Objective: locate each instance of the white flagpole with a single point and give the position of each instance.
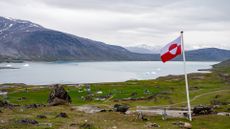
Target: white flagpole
(186, 78)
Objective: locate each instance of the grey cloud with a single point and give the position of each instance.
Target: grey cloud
(126, 21)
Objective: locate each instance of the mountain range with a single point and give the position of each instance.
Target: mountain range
(25, 40)
(145, 49)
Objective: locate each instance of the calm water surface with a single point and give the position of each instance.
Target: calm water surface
(92, 72)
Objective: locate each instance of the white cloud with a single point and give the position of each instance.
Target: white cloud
(131, 22)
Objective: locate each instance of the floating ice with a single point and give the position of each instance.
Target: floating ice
(150, 73)
(26, 65)
(8, 65)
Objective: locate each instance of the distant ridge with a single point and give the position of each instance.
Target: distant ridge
(208, 54)
(24, 40)
(144, 49)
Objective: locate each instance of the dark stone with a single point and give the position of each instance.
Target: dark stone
(27, 121)
(202, 110)
(57, 101)
(120, 108)
(58, 96)
(73, 125)
(5, 104)
(34, 105)
(86, 126)
(152, 125)
(41, 116)
(104, 110)
(185, 114)
(62, 115)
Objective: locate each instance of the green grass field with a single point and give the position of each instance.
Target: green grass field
(205, 88)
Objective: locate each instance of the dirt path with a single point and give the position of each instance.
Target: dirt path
(184, 102)
(198, 96)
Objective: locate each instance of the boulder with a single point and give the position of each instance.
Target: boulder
(202, 110)
(152, 125)
(57, 101)
(4, 103)
(62, 115)
(28, 121)
(58, 96)
(41, 116)
(120, 108)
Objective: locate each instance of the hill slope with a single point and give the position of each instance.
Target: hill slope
(206, 54)
(25, 40)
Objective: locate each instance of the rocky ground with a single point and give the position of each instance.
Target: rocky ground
(159, 103)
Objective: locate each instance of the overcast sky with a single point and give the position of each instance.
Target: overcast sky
(206, 23)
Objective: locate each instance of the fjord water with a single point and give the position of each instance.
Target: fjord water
(39, 73)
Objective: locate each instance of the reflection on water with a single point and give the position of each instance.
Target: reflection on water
(91, 72)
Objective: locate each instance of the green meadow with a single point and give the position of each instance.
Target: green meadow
(169, 91)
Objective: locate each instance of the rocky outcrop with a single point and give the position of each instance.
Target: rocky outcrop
(58, 96)
(120, 108)
(202, 110)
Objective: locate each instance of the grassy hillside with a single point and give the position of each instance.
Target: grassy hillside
(168, 91)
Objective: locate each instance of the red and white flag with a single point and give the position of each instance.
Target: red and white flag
(171, 50)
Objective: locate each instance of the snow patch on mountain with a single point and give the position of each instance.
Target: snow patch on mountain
(143, 48)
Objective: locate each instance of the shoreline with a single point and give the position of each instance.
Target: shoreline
(202, 71)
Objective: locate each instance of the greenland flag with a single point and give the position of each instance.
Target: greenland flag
(171, 50)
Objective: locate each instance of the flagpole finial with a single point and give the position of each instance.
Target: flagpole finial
(182, 32)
